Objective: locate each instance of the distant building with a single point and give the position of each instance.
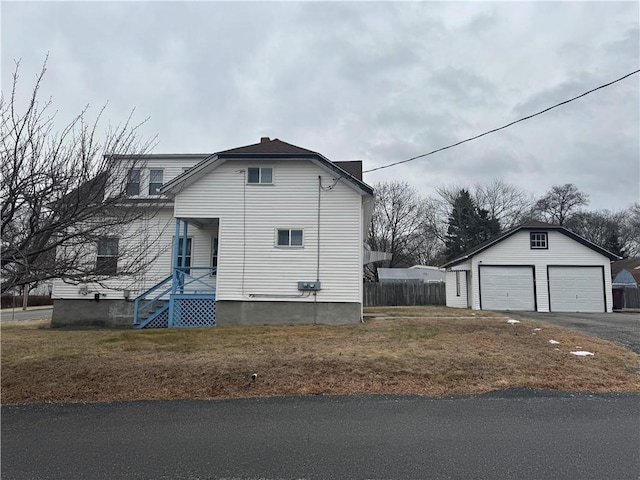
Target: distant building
(415, 274)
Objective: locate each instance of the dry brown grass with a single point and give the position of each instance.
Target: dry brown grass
(420, 353)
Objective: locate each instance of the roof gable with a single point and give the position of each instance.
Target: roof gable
(266, 149)
(532, 226)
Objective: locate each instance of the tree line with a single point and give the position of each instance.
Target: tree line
(429, 230)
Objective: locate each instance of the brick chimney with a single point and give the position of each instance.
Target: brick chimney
(265, 139)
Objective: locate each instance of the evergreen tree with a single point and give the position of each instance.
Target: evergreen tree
(469, 226)
(612, 244)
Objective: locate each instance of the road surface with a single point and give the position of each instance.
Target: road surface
(8, 314)
(511, 435)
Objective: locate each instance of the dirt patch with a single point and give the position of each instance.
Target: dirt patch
(421, 351)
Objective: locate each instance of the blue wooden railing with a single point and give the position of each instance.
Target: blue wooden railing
(180, 282)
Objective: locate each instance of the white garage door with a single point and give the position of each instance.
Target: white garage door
(576, 289)
(507, 288)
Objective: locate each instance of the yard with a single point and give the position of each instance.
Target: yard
(419, 350)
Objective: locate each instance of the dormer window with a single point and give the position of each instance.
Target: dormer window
(133, 182)
(155, 181)
(539, 240)
(260, 175)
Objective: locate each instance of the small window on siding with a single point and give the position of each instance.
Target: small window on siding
(539, 240)
(457, 284)
(260, 175)
(107, 258)
(133, 182)
(289, 238)
(155, 181)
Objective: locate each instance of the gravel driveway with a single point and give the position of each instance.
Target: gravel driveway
(621, 328)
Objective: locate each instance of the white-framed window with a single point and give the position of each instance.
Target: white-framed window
(539, 240)
(155, 181)
(187, 256)
(260, 175)
(289, 237)
(107, 258)
(133, 182)
(457, 284)
(214, 253)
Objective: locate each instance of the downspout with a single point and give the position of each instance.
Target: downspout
(315, 293)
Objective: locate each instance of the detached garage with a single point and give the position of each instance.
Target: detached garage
(533, 267)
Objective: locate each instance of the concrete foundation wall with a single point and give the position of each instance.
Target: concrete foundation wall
(230, 312)
(119, 313)
(92, 313)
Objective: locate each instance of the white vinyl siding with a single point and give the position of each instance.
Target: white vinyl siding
(454, 300)
(507, 288)
(576, 289)
(246, 236)
(246, 243)
(155, 240)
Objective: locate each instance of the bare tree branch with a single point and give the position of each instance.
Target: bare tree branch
(61, 192)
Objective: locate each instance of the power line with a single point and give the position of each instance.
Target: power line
(504, 126)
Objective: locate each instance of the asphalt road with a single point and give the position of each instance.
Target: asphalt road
(8, 314)
(622, 328)
(511, 435)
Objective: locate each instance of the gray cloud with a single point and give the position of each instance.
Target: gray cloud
(381, 82)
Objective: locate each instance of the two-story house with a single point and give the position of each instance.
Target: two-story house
(261, 234)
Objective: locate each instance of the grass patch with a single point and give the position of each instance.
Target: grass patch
(420, 350)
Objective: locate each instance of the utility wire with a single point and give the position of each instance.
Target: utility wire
(504, 126)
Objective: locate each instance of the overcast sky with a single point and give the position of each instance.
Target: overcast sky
(377, 82)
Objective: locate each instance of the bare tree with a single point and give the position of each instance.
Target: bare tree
(600, 227)
(63, 197)
(630, 230)
(504, 202)
(559, 203)
(396, 221)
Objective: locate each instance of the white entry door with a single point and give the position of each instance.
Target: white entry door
(576, 289)
(507, 288)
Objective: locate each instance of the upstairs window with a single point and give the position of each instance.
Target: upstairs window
(289, 238)
(539, 240)
(155, 181)
(107, 259)
(260, 175)
(133, 182)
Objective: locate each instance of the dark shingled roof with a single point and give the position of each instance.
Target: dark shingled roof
(354, 167)
(266, 146)
(277, 149)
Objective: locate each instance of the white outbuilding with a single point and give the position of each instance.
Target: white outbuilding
(533, 267)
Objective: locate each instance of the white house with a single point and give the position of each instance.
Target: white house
(266, 233)
(533, 267)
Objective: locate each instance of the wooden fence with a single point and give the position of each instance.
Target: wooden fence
(405, 294)
(632, 297)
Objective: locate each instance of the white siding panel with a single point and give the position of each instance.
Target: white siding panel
(576, 289)
(152, 238)
(453, 299)
(250, 265)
